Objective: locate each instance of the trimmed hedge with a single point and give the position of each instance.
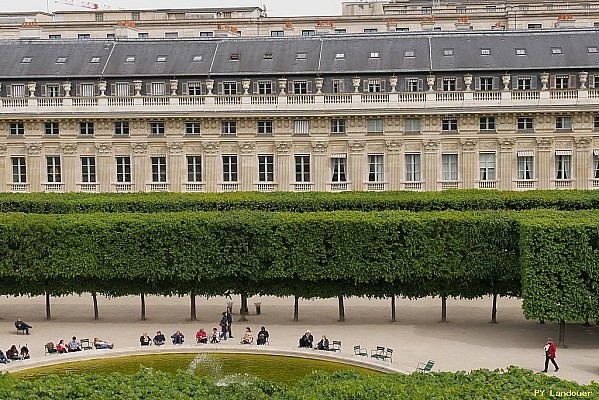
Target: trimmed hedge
(460, 200)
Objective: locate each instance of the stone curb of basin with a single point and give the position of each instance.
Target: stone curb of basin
(358, 361)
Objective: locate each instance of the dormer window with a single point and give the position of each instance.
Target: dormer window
(95, 60)
(592, 49)
(485, 52)
(408, 53)
(340, 56)
(448, 52)
(130, 59)
(26, 60)
(301, 56)
(520, 52)
(556, 50)
(161, 59)
(234, 57)
(374, 55)
(61, 60)
(268, 56)
(197, 58)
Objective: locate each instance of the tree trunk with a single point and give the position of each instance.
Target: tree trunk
(143, 307)
(562, 334)
(393, 319)
(443, 308)
(95, 299)
(341, 310)
(48, 315)
(296, 309)
(244, 307)
(494, 311)
(193, 307)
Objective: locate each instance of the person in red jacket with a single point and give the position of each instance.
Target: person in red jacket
(550, 349)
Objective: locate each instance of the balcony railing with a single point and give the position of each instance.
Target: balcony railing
(563, 183)
(375, 186)
(266, 187)
(403, 101)
(229, 187)
(158, 187)
(487, 184)
(195, 187)
(413, 186)
(123, 187)
(339, 187)
(449, 185)
(53, 187)
(88, 187)
(525, 184)
(302, 187)
(595, 183)
(19, 187)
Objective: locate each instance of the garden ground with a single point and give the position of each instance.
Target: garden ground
(468, 341)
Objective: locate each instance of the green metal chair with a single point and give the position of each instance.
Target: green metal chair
(422, 367)
(359, 351)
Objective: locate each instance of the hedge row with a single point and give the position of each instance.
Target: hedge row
(515, 383)
(460, 200)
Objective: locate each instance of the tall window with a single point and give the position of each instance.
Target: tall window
(86, 128)
(88, 169)
(300, 87)
(266, 168)
(562, 82)
(19, 170)
(194, 168)
(450, 167)
(524, 83)
(158, 89)
(486, 83)
(228, 128)
(413, 167)
(264, 87)
(413, 85)
(449, 84)
(192, 128)
(375, 168)
(338, 126)
(374, 126)
(449, 125)
(374, 86)
(525, 165)
(121, 128)
(595, 164)
(563, 164)
(302, 168)
(337, 85)
(123, 169)
(17, 128)
(229, 88)
(487, 166)
(53, 169)
(230, 168)
(52, 90)
(339, 169)
(265, 127)
(158, 169)
(16, 90)
(194, 88)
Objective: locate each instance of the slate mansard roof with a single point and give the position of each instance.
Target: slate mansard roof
(394, 53)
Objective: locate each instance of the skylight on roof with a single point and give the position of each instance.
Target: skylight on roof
(161, 59)
(61, 60)
(95, 60)
(374, 54)
(197, 58)
(339, 56)
(592, 49)
(520, 52)
(408, 53)
(130, 59)
(26, 60)
(268, 56)
(301, 56)
(234, 57)
(485, 52)
(556, 50)
(448, 52)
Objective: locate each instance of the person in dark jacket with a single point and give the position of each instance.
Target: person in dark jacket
(262, 336)
(306, 340)
(22, 326)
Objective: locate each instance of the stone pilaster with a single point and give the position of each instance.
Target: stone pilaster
(247, 165)
(394, 165)
(283, 166)
(507, 168)
(431, 162)
(321, 166)
(468, 163)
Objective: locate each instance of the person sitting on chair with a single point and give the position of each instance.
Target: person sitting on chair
(214, 337)
(201, 336)
(24, 353)
(22, 326)
(74, 345)
(50, 348)
(323, 344)
(145, 340)
(102, 344)
(306, 340)
(159, 339)
(248, 337)
(262, 336)
(3, 359)
(62, 347)
(178, 337)
(13, 353)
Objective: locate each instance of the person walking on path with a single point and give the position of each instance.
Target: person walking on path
(229, 322)
(224, 325)
(550, 349)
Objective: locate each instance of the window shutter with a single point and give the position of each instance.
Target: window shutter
(514, 82)
(495, 85)
(113, 89)
(78, 90)
(439, 84)
(365, 85)
(8, 91)
(184, 89)
(533, 82)
(309, 87)
(96, 90)
(421, 84)
(255, 87)
(458, 83)
(572, 82)
(220, 89)
(477, 83)
(238, 88)
(342, 85)
(591, 81)
(552, 82)
(203, 88)
(405, 84)
(43, 91)
(148, 89)
(289, 87)
(383, 83)
(131, 89)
